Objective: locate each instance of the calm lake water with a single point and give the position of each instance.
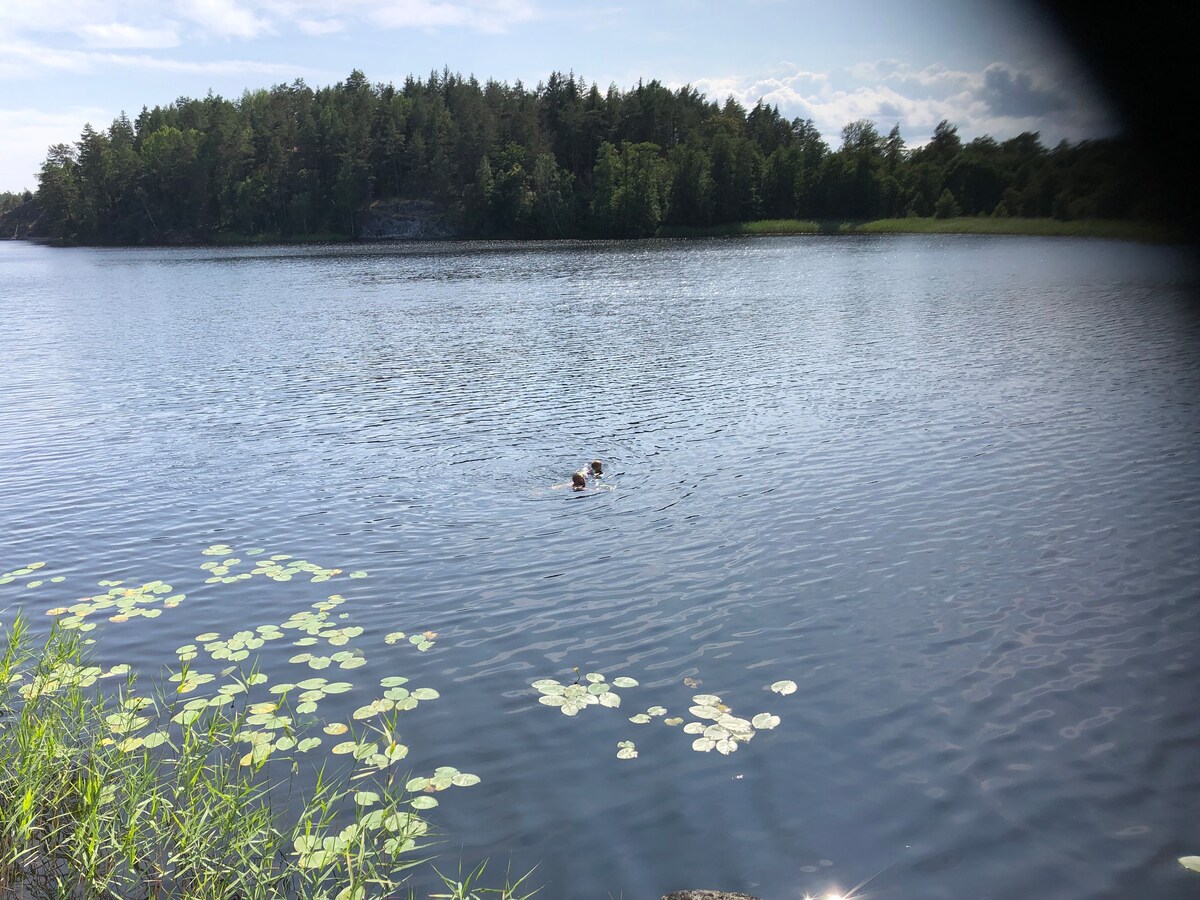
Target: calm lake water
(949, 486)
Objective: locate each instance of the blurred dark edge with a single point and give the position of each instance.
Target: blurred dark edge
(1142, 55)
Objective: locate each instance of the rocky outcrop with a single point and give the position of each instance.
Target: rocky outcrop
(22, 222)
(398, 220)
(706, 895)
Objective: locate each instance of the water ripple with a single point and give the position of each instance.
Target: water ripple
(950, 486)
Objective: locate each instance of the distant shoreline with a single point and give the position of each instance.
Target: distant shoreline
(1115, 229)
(1123, 229)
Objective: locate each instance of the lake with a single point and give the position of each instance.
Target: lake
(949, 486)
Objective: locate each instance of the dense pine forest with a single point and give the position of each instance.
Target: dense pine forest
(562, 160)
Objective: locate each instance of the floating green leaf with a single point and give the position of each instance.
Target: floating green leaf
(765, 721)
(626, 750)
(784, 687)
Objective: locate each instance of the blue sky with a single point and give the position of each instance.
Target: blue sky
(989, 67)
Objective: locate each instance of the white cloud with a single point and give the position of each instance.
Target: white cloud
(225, 18)
(481, 15)
(210, 67)
(26, 60)
(998, 100)
(115, 34)
(318, 27)
(22, 59)
(163, 24)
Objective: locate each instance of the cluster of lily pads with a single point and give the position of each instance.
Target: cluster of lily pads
(121, 603)
(716, 727)
(27, 570)
(273, 720)
(573, 697)
(277, 567)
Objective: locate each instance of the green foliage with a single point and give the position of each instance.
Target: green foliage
(946, 207)
(560, 160)
(10, 200)
(466, 886)
(109, 790)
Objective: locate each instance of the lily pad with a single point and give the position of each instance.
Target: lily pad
(784, 687)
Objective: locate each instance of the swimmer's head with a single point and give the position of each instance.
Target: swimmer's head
(597, 469)
(578, 482)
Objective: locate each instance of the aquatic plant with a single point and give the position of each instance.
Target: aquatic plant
(576, 696)
(194, 788)
(467, 887)
(716, 728)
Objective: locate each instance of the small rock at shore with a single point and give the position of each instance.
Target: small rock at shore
(706, 895)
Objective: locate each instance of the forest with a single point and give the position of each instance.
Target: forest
(564, 159)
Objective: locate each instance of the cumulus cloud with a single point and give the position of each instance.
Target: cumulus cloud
(998, 100)
(934, 79)
(789, 87)
(1009, 93)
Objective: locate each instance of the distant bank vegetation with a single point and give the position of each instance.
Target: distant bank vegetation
(564, 159)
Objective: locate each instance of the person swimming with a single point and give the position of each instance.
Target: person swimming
(579, 479)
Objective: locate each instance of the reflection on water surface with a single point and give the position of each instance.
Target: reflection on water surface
(950, 487)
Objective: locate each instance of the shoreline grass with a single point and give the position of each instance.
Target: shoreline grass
(213, 780)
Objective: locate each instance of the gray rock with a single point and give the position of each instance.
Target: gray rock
(706, 895)
(391, 220)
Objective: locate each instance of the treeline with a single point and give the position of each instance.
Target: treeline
(564, 159)
(11, 200)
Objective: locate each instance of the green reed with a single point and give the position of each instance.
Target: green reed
(196, 788)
